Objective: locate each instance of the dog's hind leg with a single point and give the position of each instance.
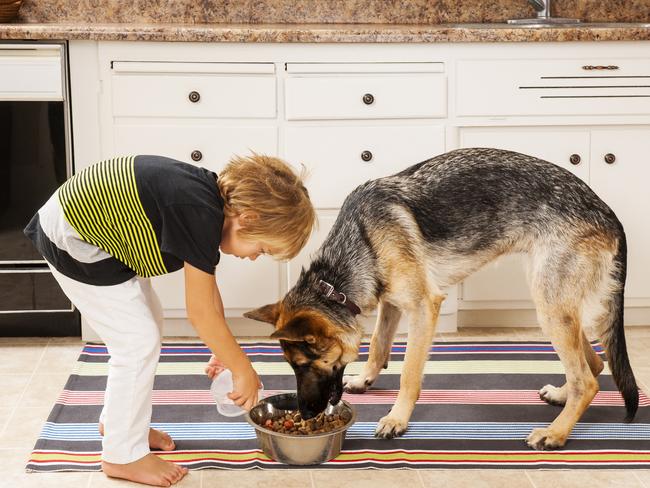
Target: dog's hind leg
(379, 353)
(555, 395)
(561, 280)
(422, 326)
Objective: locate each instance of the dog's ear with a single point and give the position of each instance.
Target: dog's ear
(292, 334)
(267, 313)
(303, 328)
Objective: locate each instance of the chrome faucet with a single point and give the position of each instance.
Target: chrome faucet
(543, 8)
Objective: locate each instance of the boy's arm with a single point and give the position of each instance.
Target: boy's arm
(205, 313)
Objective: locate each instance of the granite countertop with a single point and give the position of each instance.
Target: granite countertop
(367, 32)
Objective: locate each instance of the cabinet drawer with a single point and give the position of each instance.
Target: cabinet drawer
(366, 96)
(589, 86)
(218, 90)
(33, 73)
(208, 146)
(341, 158)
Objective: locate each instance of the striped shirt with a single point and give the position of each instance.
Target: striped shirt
(147, 214)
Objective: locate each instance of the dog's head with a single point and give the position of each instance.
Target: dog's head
(316, 348)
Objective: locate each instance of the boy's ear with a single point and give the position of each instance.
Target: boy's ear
(247, 217)
(267, 313)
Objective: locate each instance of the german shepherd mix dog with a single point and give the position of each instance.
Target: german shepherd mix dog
(400, 240)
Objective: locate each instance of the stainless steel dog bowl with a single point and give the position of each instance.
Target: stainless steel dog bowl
(298, 449)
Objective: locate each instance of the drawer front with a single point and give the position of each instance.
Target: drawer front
(341, 158)
(389, 96)
(31, 74)
(553, 87)
(208, 146)
(137, 93)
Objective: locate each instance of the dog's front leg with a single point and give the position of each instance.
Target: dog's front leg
(422, 327)
(379, 352)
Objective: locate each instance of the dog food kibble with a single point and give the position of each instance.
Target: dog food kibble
(292, 423)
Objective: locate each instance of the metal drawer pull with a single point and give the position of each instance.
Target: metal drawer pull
(366, 156)
(610, 158)
(197, 155)
(590, 67)
(194, 96)
(368, 99)
(575, 159)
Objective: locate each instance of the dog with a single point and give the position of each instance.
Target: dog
(400, 240)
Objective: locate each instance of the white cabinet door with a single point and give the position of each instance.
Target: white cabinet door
(326, 219)
(215, 144)
(623, 185)
(339, 158)
(243, 284)
(504, 279)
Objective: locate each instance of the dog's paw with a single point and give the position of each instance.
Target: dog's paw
(545, 439)
(356, 384)
(389, 427)
(553, 395)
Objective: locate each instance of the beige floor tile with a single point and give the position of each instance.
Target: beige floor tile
(44, 389)
(20, 358)
(480, 478)
(100, 480)
(12, 467)
(59, 358)
(67, 340)
(23, 427)
(257, 478)
(590, 478)
(13, 386)
(24, 340)
(366, 478)
(637, 331)
(644, 477)
(5, 415)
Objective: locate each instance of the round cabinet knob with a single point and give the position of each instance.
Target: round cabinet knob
(575, 159)
(368, 99)
(366, 156)
(197, 155)
(610, 158)
(194, 96)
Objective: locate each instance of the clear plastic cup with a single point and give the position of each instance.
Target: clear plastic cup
(222, 385)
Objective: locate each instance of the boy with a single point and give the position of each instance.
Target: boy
(112, 226)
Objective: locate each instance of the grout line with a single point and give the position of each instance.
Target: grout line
(90, 477)
(641, 483)
(22, 394)
(417, 471)
(532, 483)
(311, 478)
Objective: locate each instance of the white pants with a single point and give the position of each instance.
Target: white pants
(128, 318)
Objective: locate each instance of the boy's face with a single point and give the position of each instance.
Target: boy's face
(232, 243)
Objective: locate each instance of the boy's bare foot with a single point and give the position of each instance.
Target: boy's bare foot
(157, 439)
(150, 470)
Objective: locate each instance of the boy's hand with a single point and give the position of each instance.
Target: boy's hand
(246, 386)
(214, 367)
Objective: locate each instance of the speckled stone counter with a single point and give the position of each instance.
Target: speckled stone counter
(387, 33)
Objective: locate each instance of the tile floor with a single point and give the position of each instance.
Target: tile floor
(34, 370)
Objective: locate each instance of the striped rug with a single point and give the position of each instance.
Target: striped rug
(478, 403)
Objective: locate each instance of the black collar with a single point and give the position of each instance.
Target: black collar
(330, 292)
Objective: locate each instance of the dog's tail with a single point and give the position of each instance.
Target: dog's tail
(613, 335)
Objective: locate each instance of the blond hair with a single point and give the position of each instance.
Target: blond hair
(269, 189)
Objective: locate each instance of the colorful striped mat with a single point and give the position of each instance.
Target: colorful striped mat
(479, 402)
